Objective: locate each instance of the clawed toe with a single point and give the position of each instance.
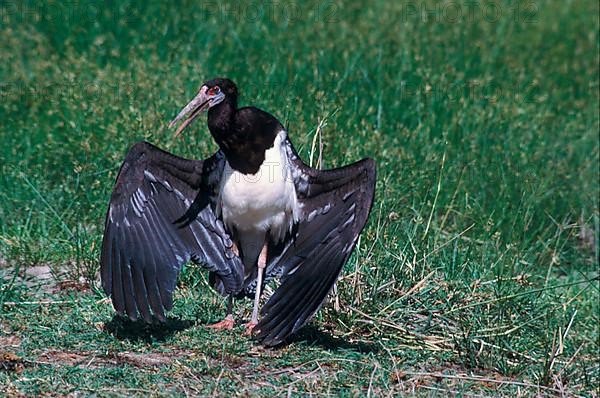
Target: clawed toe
(225, 324)
(249, 328)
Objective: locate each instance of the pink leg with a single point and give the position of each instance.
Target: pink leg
(262, 263)
(225, 324)
(235, 250)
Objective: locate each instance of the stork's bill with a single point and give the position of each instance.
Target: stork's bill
(206, 98)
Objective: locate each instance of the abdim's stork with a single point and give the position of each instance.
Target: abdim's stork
(250, 213)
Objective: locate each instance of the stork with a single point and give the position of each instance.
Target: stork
(251, 213)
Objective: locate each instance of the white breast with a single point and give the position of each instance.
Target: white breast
(261, 202)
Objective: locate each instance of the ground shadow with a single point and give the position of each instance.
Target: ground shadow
(311, 335)
(123, 328)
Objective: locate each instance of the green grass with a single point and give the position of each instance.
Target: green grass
(477, 273)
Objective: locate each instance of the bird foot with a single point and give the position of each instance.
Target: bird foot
(249, 328)
(225, 324)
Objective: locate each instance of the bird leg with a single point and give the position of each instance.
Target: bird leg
(228, 322)
(262, 263)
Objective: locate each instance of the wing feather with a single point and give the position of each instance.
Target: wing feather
(335, 205)
(144, 247)
(137, 274)
(117, 284)
(128, 292)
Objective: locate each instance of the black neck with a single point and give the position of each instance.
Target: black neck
(221, 123)
(242, 134)
(221, 118)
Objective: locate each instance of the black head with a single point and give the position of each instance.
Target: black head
(212, 93)
(225, 85)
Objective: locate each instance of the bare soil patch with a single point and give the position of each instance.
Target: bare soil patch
(92, 360)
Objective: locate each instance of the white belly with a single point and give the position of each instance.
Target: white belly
(254, 204)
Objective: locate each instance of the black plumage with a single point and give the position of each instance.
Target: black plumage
(164, 212)
(242, 134)
(143, 248)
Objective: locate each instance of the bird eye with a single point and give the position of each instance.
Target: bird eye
(215, 90)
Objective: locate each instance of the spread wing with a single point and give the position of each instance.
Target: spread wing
(145, 245)
(334, 207)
